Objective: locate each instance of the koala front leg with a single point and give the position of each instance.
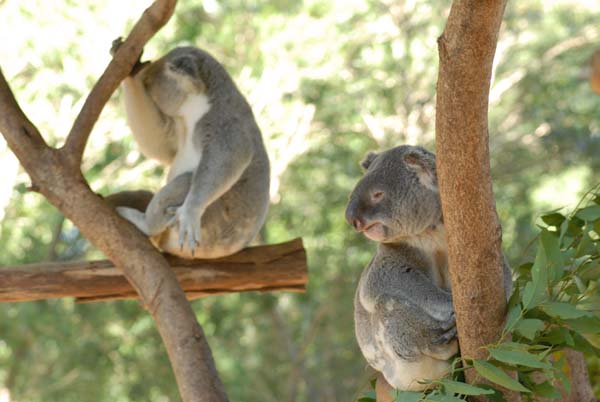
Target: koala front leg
(159, 213)
(222, 163)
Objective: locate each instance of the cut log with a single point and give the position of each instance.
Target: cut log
(280, 267)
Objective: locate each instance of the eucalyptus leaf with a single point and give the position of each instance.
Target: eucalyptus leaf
(554, 259)
(518, 357)
(408, 396)
(563, 310)
(553, 219)
(545, 390)
(513, 316)
(463, 388)
(589, 325)
(589, 214)
(496, 375)
(529, 327)
(444, 398)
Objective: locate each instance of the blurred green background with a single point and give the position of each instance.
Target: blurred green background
(328, 81)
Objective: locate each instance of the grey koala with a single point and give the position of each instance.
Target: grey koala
(185, 111)
(404, 317)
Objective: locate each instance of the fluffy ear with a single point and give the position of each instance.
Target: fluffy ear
(369, 158)
(422, 162)
(184, 65)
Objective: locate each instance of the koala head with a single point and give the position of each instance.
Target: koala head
(397, 197)
(172, 78)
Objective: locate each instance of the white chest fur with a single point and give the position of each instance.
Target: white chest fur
(189, 152)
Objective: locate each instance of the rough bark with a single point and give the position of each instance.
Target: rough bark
(466, 51)
(56, 173)
(270, 268)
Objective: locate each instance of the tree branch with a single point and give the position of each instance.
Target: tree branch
(153, 18)
(264, 269)
(466, 51)
(56, 176)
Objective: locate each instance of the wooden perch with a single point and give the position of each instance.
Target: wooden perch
(263, 268)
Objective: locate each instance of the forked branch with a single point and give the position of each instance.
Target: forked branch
(57, 175)
(154, 18)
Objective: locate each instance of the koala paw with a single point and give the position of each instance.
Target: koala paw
(116, 44)
(446, 332)
(188, 220)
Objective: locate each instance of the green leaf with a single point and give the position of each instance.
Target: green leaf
(496, 375)
(443, 398)
(512, 317)
(565, 311)
(517, 357)
(463, 388)
(583, 345)
(536, 291)
(367, 399)
(589, 214)
(529, 327)
(545, 390)
(559, 336)
(409, 396)
(553, 219)
(554, 259)
(495, 396)
(590, 270)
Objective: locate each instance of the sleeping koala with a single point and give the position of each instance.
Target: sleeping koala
(404, 317)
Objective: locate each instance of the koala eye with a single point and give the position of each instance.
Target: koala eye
(377, 196)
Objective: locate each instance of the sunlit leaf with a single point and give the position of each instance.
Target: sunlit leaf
(497, 376)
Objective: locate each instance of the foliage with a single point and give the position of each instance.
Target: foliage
(555, 305)
(328, 80)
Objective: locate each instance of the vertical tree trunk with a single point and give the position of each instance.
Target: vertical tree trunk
(466, 50)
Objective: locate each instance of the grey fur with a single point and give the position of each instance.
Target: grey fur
(404, 317)
(217, 207)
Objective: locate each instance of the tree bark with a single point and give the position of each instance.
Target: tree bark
(466, 51)
(270, 268)
(56, 173)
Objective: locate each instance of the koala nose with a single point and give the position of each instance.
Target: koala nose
(352, 218)
(357, 224)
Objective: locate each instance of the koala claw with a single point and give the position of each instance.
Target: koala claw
(189, 226)
(445, 337)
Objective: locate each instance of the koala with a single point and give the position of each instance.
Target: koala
(403, 312)
(186, 112)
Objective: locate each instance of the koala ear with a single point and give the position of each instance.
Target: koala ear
(423, 164)
(185, 65)
(369, 158)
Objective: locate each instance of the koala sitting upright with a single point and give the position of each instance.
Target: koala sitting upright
(404, 317)
(185, 111)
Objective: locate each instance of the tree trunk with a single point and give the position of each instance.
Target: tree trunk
(466, 51)
(56, 173)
